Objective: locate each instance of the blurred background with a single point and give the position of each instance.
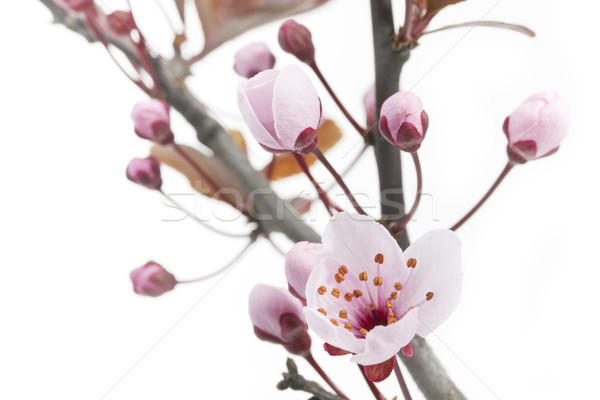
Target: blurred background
(73, 227)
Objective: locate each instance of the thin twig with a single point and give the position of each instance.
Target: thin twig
(293, 380)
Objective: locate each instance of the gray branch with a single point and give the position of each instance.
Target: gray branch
(293, 380)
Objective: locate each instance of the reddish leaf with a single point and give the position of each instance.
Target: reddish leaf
(285, 165)
(433, 6)
(223, 20)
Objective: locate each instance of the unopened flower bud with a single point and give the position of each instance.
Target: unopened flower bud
(278, 318)
(152, 121)
(145, 172)
(252, 59)
(152, 279)
(76, 5)
(282, 110)
(119, 23)
(296, 39)
(299, 263)
(403, 121)
(537, 127)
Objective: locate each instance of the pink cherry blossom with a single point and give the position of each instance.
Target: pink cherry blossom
(278, 318)
(145, 172)
(152, 279)
(252, 59)
(537, 127)
(299, 263)
(282, 109)
(368, 297)
(403, 121)
(152, 121)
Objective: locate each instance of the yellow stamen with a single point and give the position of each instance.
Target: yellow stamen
(357, 293)
(348, 296)
(411, 263)
(334, 322)
(398, 286)
(363, 276)
(343, 270)
(394, 295)
(322, 311)
(429, 296)
(364, 331)
(339, 278)
(378, 281)
(336, 293)
(343, 314)
(379, 258)
(348, 326)
(322, 290)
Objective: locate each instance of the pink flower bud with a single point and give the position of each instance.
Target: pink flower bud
(76, 5)
(299, 263)
(145, 172)
(296, 39)
(403, 121)
(537, 127)
(152, 121)
(152, 279)
(282, 110)
(118, 23)
(278, 318)
(369, 103)
(252, 59)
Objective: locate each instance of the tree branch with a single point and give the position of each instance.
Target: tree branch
(293, 380)
(271, 212)
(425, 368)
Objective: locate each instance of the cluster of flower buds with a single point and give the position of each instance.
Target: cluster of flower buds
(252, 59)
(152, 279)
(282, 110)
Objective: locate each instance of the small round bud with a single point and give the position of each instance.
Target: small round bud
(152, 279)
(252, 59)
(76, 5)
(145, 172)
(119, 23)
(278, 318)
(296, 39)
(403, 121)
(537, 127)
(299, 263)
(152, 121)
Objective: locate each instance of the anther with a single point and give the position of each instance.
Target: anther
(379, 258)
(348, 326)
(363, 276)
(391, 320)
(411, 263)
(371, 306)
(429, 296)
(388, 305)
(343, 270)
(348, 296)
(336, 293)
(343, 314)
(394, 295)
(398, 286)
(334, 322)
(339, 278)
(322, 290)
(357, 293)
(322, 311)
(378, 281)
(364, 331)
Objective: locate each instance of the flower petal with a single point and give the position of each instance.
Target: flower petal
(334, 335)
(266, 306)
(299, 263)
(296, 105)
(384, 342)
(438, 271)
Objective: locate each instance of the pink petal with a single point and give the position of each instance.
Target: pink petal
(384, 342)
(334, 335)
(438, 270)
(296, 105)
(266, 306)
(299, 263)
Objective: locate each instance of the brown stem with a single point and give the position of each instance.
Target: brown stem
(402, 382)
(320, 192)
(337, 101)
(372, 386)
(321, 157)
(404, 221)
(313, 363)
(505, 171)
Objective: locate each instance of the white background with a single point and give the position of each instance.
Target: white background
(73, 227)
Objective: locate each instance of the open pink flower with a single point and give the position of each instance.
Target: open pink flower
(282, 109)
(537, 127)
(368, 297)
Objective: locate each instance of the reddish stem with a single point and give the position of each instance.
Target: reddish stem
(337, 101)
(321, 157)
(507, 169)
(317, 367)
(405, 220)
(321, 193)
(372, 386)
(401, 381)
(405, 33)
